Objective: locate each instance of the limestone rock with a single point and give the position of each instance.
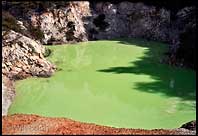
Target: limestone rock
(62, 25)
(20, 53)
(7, 94)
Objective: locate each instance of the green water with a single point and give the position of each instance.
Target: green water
(115, 83)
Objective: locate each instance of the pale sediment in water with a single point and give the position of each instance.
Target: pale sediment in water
(5, 102)
(7, 95)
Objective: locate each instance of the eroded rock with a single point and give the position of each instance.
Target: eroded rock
(8, 94)
(127, 19)
(22, 57)
(62, 25)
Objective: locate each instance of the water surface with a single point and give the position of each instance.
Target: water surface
(119, 83)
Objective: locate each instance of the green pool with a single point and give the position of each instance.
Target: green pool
(119, 83)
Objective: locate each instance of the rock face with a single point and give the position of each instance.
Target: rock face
(7, 94)
(61, 25)
(82, 21)
(22, 57)
(190, 125)
(127, 19)
(55, 22)
(65, 22)
(183, 45)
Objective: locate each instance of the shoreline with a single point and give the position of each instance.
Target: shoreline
(35, 124)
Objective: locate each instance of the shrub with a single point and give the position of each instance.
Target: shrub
(9, 22)
(36, 32)
(47, 52)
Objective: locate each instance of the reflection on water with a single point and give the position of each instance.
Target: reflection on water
(172, 83)
(81, 57)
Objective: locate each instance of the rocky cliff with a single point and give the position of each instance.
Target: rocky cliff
(62, 25)
(63, 22)
(69, 22)
(22, 57)
(127, 19)
(54, 22)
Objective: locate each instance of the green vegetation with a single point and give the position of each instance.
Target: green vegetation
(47, 52)
(36, 32)
(9, 22)
(118, 83)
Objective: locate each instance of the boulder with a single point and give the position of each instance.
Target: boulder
(190, 125)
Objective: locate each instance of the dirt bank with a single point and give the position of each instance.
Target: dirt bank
(33, 124)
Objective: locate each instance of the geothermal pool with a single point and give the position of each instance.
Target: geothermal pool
(118, 83)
